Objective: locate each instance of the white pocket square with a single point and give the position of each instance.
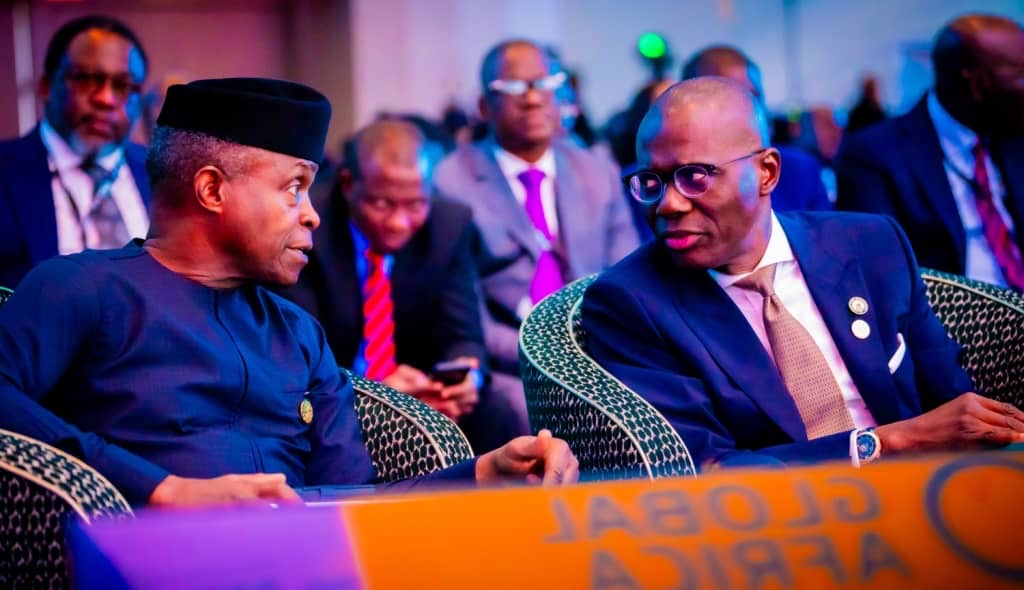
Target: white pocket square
(897, 357)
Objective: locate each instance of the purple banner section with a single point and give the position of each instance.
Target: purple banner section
(261, 548)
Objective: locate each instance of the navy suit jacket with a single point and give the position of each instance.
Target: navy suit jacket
(675, 337)
(896, 168)
(28, 222)
(433, 287)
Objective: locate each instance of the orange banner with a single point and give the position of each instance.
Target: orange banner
(951, 522)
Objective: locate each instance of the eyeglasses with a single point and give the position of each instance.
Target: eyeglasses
(387, 206)
(521, 87)
(692, 180)
(87, 82)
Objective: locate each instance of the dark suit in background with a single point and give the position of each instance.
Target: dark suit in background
(896, 168)
(675, 337)
(28, 222)
(434, 290)
(800, 185)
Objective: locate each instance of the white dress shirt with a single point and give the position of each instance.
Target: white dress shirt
(958, 143)
(512, 166)
(792, 291)
(69, 182)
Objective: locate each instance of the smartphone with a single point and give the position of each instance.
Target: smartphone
(450, 372)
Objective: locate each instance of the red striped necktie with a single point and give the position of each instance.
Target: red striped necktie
(996, 233)
(378, 320)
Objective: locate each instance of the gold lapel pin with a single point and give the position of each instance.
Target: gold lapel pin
(306, 410)
(858, 305)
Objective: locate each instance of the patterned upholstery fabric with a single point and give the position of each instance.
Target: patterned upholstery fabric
(40, 487)
(988, 322)
(613, 431)
(405, 437)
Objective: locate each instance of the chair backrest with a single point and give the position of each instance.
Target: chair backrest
(39, 487)
(988, 322)
(613, 431)
(405, 437)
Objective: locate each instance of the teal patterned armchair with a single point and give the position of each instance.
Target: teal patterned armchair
(42, 486)
(988, 323)
(615, 433)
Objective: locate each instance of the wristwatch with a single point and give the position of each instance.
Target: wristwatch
(869, 446)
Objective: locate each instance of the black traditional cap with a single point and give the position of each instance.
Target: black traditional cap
(275, 115)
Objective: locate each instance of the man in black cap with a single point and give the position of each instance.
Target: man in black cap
(166, 365)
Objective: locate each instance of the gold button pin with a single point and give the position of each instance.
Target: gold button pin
(860, 329)
(306, 411)
(858, 305)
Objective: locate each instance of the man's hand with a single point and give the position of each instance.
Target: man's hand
(968, 422)
(465, 394)
(533, 459)
(412, 381)
(184, 492)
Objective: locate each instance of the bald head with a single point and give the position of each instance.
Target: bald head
(711, 111)
(490, 68)
(727, 62)
(389, 142)
(979, 62)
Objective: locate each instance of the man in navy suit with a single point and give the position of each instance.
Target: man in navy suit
(764, 338)
(800, 187)
(75, 181)
(951, 171)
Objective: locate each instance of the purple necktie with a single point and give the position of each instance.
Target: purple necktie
(548, 277)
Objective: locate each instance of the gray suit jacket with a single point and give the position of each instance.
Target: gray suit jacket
(594, 229)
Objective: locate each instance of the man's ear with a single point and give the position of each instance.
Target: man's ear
(208, 185)
(346, 180)
(770, 169)
(43, 89)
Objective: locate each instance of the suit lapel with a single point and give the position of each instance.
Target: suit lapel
(571, 190)
(494, 187)
(30, 172)
(833, 277)
(135, 156)
(337, 256)
(1010, 159)
(728, 338)
(925, 157)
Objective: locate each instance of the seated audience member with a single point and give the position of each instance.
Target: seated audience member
(951, 171)
(549, 211)
(792, 337)
(392, 279)
(800, 186)
(166, 365)
(75, 181)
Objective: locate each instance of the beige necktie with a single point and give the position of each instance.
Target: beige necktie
(803, 368)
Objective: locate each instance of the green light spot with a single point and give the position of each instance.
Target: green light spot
(651, 45)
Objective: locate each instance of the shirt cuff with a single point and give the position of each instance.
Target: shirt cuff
(854, 455)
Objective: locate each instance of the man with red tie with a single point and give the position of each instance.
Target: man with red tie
(549, 211)
(392, 278)
(951, 171)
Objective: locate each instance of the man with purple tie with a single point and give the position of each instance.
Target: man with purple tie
(549, 212)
